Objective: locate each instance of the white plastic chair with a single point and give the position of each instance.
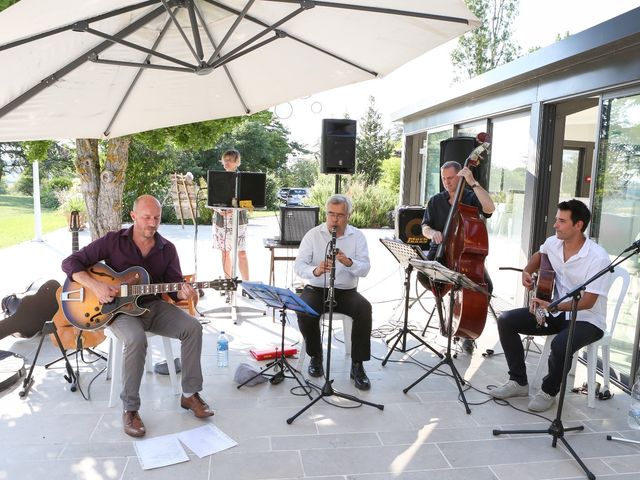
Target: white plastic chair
(347, 323)
(114, 368)
(592, 349)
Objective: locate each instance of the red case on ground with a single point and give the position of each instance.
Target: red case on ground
(270, 353)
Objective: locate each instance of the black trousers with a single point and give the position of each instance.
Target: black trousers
(349, 302)
(521, 321)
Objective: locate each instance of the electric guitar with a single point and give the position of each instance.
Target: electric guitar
(70, 336)
(83, 310)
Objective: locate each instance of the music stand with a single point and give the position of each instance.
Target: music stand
(235, 190)
(437, 273)
(557, 429)
(403, 254)
(281, 299)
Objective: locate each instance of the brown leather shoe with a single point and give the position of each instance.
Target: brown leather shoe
(132, 424)
(197, 405)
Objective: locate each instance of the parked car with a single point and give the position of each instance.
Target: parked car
(297, 196)
(283, 193)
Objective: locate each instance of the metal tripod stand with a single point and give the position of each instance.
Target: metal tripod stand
(403, 254)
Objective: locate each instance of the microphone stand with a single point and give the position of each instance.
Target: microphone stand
(556, 429)
(327, 390)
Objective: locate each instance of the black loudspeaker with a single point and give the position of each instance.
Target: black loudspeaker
(338, 146)
(295, 222)
(409, 226)
(458, 149)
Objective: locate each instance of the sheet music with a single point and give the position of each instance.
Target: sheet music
(160, 451)
(206, 440)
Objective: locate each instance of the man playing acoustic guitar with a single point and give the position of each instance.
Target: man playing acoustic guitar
(142, 245)
(574, 259)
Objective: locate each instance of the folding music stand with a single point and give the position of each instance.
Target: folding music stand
(403, 254)
(437, 273)
(230, 190)
(282, 299)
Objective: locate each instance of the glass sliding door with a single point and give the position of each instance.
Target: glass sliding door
(509, 154)
(616, 209)
(431, 172)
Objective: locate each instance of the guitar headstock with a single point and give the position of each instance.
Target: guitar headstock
(74, 221)
(226, 284)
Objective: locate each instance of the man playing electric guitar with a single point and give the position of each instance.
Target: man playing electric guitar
(574, 258)
(142, 245)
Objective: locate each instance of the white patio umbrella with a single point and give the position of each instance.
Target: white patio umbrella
(98, 69)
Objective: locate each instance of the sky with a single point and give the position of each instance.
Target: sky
(537, 24)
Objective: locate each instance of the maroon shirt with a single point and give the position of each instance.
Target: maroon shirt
(119, 251)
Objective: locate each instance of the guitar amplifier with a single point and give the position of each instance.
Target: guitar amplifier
(409, 226)
(295, 222)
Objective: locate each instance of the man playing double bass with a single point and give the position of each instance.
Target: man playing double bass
(437, 211)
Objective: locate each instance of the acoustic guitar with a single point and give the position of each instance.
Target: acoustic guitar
(70, 336)
(543, 285)
(83, 310)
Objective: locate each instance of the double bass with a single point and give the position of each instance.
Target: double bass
(464, 246)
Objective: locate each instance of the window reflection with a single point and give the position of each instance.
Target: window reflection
(616, 219)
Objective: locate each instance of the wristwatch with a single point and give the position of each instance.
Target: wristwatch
(475, 185)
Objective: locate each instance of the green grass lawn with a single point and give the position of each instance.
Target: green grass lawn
(17, 220)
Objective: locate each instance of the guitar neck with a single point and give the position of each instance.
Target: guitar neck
(75, 245)
(156, 288)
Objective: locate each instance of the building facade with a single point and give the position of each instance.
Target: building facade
(564, 123)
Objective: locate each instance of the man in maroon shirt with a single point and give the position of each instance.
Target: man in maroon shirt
(142, 245)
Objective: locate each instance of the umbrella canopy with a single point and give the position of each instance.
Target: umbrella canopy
(96, 69)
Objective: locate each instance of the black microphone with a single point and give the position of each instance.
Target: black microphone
(634, 246)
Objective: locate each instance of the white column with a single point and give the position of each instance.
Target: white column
(36, 202)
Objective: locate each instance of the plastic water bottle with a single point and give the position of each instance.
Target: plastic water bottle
(634, 409)
(223, 352)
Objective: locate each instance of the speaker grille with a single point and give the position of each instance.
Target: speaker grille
(409, 226)
(295, 222)
(338, 146)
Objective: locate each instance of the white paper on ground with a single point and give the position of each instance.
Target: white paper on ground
(160, 451)
(206, 440)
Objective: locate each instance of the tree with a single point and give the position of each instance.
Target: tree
(373, 145)
(489, 45)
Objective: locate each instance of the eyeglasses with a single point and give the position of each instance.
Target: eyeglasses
(339, 216)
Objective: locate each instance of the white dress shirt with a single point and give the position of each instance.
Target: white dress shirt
(314, 248)
(591, 259)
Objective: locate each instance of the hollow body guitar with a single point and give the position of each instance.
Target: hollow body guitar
(83, 310)
(70, 336)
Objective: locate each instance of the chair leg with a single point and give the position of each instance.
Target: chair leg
(542, 363)
(116, 371)
(168, 354)
(592, 362)
(347, 325)
(605, 367)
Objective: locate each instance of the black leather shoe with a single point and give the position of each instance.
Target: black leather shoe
(359, 376)
(315, 367)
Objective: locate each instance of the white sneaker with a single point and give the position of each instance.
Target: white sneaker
(541, 402)
(510, 389)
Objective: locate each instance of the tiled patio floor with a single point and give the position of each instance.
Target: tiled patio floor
(424, 434)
